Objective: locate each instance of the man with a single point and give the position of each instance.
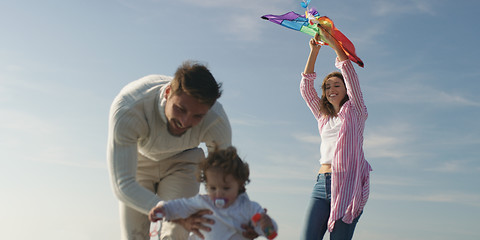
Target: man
(155, 127)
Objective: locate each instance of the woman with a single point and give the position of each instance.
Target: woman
(342, 186)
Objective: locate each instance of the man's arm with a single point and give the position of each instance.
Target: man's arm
(124, 131)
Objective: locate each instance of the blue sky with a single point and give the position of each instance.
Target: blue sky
(62, 63)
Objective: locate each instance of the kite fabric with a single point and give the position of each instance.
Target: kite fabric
(309, 26)
(305, 3)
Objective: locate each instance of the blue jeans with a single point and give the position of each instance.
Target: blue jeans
(319, 212)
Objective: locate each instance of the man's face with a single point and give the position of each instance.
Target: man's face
(183, 112)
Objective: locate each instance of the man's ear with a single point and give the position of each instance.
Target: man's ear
(168, 89)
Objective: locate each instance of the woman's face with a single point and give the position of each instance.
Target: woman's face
(335, 91)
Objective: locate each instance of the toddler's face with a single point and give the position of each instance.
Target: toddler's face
(221, 187)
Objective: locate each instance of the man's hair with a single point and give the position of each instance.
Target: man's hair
(326, 108)
(228, 162)
(194, 79)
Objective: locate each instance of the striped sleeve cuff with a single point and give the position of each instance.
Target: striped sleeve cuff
(309, 76)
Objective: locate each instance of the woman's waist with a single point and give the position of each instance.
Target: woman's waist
(325, 168)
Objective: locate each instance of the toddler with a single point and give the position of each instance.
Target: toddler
(225, 176)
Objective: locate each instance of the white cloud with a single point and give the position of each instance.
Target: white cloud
(251, 5)
(393, 140)
(384, 146)
(29, 137)
(243, 27)
(14, 68)
(368, 37)
(447, 167)
(241, 19)
(413, 92)
(238, 19)
(246, 122)
(471, 199)
(307, 138)
(453, 98)
(23, 122)
(392, 7)
(455, 166)
(65, 158)
(395, 181)
(251, 120)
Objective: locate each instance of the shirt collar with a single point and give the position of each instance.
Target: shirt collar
(162, 102)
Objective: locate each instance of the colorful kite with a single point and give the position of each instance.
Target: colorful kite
(308, 24)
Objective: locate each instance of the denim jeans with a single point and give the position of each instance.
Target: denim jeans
(319, 212)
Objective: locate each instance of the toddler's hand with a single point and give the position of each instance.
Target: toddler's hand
(156, 214)
(265, 223)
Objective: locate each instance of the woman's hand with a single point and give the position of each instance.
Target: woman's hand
(312, 57)
(332, 42)
(314, 43)
(329, 39)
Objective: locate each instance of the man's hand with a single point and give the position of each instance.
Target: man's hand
(196, 222)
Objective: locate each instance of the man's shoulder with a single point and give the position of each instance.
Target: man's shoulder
(139, 93)
(217, 108)
(147, 82)
(143, 88)
(215, 113)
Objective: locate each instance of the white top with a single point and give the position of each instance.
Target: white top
(329, 137)
(228, 221)
(137, 125)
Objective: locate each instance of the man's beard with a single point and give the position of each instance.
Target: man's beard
(169, 129)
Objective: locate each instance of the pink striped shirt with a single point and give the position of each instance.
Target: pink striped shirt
(350, 170)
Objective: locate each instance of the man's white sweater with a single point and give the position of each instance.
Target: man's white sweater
(137, 125)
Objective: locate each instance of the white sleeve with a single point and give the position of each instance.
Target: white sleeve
(183, 207)
(125, 127)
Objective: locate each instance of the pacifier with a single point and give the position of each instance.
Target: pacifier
(220, 202)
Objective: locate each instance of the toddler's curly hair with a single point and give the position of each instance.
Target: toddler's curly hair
(228, 162)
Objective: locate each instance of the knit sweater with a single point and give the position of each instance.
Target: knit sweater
(138, 125)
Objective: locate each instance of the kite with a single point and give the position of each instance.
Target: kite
(309, 24)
